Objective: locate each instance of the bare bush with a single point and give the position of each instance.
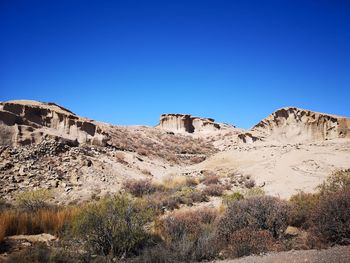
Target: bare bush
(214, 190)
(331, 218)
(139, 188)
(248, 241)
(250, 183)
(257, 213)
(210, 178)
(190, 235)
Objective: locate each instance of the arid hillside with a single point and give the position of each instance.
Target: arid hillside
(45, 146)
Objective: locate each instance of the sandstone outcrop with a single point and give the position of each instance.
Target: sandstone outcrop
(24, 122)
(189, 124)
(298, 125)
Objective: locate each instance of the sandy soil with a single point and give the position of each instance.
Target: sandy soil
(337, 254)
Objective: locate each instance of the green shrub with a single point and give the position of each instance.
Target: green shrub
(331, 218)
(302, 205)
(34, 200)
(114, 227)
(257, 213)
(232, 197)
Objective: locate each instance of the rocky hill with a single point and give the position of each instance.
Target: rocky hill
(44, 145)
(25, 122)
(298, 125)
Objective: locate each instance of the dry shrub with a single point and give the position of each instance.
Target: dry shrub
(54, 221)
(214, 190)
(139, 188)
(172, 200)
(331, 218)
(250, 183)
(197, 196)
(257, 213)
(338, 181)
(149, 142)
(248, 241)
(189, 235)
(188, 222)
(302, 206)
(210, 178)
(190, 181)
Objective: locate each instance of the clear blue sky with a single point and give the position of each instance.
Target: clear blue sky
(126, 62)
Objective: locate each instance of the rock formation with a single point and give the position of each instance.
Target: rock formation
(188, 123)
(297, 125)
(24, 122)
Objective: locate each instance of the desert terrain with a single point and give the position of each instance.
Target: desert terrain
(44, 146)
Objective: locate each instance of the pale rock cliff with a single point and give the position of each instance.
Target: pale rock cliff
(24, 122)
(186, 123)
(298, 125)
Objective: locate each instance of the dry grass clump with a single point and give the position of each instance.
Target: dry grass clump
(53, 221)
(253, 192)
(175, 182)
(235, 196)
(190, 181)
